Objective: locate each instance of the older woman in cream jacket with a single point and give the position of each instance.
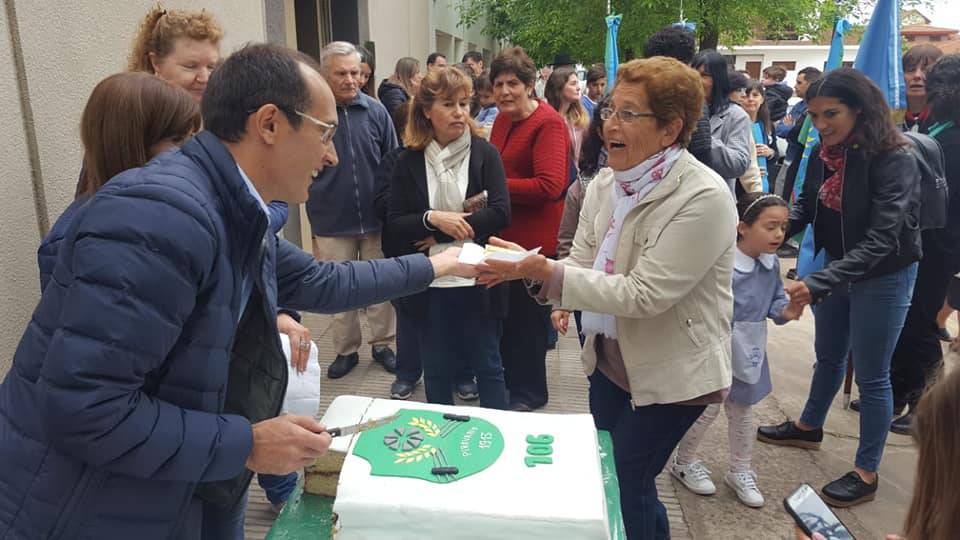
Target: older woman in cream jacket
(651, 269)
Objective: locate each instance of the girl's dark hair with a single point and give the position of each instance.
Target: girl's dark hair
(874, 130)
(483, 83)
(763, 113)
(751, 205)
(715, 65)
(592, 145)
(366, 57)
(943, 89)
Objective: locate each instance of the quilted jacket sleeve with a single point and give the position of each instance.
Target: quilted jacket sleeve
(131, 280)
(327, 287)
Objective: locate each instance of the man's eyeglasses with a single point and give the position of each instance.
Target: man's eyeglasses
(625, 115)
(327, 131)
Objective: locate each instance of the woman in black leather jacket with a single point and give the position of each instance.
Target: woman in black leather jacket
(862, 195)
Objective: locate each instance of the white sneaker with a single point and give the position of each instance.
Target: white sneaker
(695, 476)
(744, 484)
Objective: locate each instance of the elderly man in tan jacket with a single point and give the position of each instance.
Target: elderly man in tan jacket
(651, 267)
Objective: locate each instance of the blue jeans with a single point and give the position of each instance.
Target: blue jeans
(455, 331)
(864, 318)
(409, 368)
(277, 488)
(643, 439)
(206, 521)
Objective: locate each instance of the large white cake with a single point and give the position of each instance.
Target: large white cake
(465, 473)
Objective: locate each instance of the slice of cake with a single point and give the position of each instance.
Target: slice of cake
(464, 473)
(322, 477)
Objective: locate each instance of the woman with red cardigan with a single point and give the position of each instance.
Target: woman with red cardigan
(533, 144)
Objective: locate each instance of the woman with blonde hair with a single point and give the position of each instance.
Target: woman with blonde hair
(180, 47)
(434, 193)
(563, 94)
(397, 89)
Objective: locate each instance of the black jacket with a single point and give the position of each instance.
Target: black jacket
(948, 238)
(409, 200)
(777, 97)
(701, 140)
(392, 96)
(881, 201)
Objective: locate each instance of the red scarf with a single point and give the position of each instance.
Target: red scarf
(831, 192)
(911, 119)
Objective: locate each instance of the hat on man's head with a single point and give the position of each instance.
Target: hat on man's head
(562, 59)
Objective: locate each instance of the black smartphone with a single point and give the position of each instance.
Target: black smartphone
(813, 515)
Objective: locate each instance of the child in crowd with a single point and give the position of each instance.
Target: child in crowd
(758, 294)
(488, 107)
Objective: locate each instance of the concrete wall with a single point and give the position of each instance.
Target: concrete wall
(417, 28)
(67, 48)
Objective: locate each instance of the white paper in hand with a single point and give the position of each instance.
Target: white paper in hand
(508, 255)
(474, 254)
(471, 253)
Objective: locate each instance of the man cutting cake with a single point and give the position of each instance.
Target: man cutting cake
(145, 389)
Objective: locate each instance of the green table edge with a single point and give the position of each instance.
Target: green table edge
(307, 516)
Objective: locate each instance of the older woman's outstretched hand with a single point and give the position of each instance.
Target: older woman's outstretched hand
(493, 272)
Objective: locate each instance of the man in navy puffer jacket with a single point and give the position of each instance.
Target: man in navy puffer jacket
(144, 392)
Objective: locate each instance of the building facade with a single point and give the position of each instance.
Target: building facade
(58, 51)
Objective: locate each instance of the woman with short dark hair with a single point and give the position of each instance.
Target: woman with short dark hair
(862, 196)
(534, 145)
(916, 61)
(731, 140)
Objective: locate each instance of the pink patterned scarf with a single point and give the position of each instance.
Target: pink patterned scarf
(631, 187)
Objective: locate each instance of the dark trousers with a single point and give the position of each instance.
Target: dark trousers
(918, 357)
(524, 348)
(456, 330)
(409, 366)
(577, 315)
(205, 521)
(643, 440)
(277, 488)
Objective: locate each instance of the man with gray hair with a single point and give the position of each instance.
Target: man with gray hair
(343, 221)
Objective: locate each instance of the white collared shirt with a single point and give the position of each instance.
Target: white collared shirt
(745, 264)
(246, 283)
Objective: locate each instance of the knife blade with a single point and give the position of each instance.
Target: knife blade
(363, 426)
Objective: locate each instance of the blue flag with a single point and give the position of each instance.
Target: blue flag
(612, 56)
(808, 261)
(879, 54)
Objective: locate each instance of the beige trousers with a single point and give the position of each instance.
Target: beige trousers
(346, 326)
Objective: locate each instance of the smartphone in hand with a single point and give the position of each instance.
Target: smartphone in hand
(813, 515)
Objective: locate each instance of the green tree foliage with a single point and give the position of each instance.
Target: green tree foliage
(547, 27)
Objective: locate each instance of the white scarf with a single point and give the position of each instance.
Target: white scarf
(631, 187)
(446, 163)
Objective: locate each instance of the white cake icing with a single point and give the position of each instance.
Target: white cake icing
(507, 500)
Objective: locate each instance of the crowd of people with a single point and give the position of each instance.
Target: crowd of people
(659, 206)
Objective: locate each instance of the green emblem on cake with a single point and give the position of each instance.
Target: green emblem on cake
(430, 445)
